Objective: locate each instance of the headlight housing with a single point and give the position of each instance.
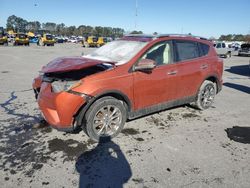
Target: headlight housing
(59, 86)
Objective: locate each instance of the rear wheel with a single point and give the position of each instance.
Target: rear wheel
(206, 95)
(105, 118)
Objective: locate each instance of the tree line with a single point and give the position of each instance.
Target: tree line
(18, 24)
(235, 37)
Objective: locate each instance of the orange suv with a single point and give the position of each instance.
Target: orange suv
(125, 79)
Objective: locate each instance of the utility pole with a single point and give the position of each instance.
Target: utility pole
(136, 13)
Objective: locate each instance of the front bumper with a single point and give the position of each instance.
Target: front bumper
(2, 41)
(59, 109)
(22, 41)
(244, 52)
(49, 42)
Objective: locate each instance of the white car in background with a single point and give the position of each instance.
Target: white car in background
(224, 49)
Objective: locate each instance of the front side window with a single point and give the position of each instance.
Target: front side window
(223, 45)
(160, 53)
(186, 50)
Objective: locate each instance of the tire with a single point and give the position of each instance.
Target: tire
(205, 100)
(107, 111)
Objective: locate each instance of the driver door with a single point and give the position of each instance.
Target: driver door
(157, 86)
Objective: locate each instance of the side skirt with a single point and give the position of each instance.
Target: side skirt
(160, 107)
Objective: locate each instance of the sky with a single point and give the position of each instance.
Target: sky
(208, 18)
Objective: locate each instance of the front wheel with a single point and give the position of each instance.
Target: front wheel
(229, 54)
(105, 118)
(206, 95)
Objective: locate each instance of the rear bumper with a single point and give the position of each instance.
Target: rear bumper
(244, 53)
(59, 109)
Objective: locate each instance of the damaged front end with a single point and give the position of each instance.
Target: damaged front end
(54, 92)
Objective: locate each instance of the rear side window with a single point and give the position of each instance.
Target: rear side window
(204, 49)
(186, 50)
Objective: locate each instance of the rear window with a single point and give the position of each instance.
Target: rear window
(186, 50)
(204, 49)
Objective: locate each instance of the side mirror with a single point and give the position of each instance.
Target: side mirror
(145, 65)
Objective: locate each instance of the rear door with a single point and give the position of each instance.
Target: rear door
(191, 66)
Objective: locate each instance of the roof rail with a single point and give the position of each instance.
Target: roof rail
(181, 35)
(140, 35)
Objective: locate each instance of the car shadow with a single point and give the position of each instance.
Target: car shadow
(239, 134)
(243, 70)
(103, 166)
(238, 87)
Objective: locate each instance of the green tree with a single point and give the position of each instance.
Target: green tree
(136, 32)
(238, 37)
(33, 26)
(60, 29)
(49, 26)
(16, 23)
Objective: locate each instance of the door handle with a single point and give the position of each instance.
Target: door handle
(172, 72)
(204, 66)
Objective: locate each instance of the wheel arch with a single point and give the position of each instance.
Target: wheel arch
(78, 118)
(213, 78)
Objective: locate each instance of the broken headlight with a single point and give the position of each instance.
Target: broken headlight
(59, 86)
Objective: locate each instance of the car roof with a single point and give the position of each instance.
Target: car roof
(147, 38)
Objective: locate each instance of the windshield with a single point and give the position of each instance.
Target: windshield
(21, 36)
(49, 37)
(120, 51)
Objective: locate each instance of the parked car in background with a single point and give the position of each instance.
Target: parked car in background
(223, 49)
(59, 39)
(33, 39)
(47, 39)
(244, 50)
(101, 41)
(126, 79)
(3, 39)
(90, 41)
(73, 40)
(21, 39)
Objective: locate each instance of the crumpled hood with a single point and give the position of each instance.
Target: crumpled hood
(65, 64)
